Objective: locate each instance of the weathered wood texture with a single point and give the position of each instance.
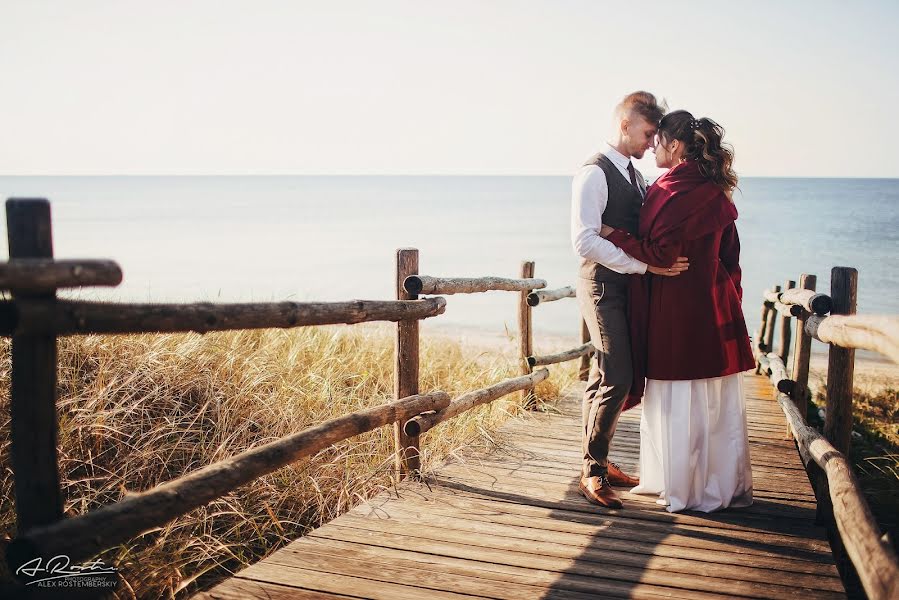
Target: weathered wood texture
(768, 341)
(788, 310)
(33, 380)
(879, 333)
(802, 350)
(525, 333)
(45, 274)
(840, 363)
(807, 298)
(511, 524)
(758, 347)
(423, 284)
(420, 424)
(772, 295)
(406, 366)
(763, 326)
(551, 359)
(535, 298)
(786, 328)
(774, 367)
(66, 317)
(873, 557)
(83, 536)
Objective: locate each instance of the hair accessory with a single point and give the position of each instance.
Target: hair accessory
(694, 124)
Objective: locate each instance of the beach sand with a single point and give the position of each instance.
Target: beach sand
(873, 374)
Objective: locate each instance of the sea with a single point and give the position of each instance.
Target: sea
(311, 238)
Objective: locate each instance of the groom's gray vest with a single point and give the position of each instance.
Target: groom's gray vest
(622, 212)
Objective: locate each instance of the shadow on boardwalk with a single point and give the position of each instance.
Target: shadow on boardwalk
(511, 524)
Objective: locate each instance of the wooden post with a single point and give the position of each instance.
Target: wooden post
(802, 352)
(524, 332)
(769, 326)
(786, 328)
(763, 325)
(33, 385)
(406, 367)
(584, 372)
(840, 363)
(760, 336)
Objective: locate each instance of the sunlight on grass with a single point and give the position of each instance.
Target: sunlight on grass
(874, 448)
(135, 411)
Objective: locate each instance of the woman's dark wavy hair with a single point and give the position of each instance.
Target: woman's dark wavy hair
(702, 143)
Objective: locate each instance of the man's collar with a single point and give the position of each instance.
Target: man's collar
(616, 157)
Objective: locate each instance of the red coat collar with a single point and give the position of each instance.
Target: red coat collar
(684, 198)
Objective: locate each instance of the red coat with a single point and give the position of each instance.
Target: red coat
(690, 326)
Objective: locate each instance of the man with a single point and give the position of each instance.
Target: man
(609, 190)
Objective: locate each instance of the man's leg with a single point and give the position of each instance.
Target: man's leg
(603, 306)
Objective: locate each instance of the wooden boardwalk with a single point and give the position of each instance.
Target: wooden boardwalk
(512, 525)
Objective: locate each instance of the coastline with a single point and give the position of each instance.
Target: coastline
(873, 373)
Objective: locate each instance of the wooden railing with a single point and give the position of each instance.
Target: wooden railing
(34, 318)
(854, 534)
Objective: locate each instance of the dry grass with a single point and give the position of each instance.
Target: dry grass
(136, 411)
(874, 450)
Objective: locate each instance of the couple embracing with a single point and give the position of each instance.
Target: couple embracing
(659, 289)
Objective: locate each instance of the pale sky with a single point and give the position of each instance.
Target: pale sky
(462, 87)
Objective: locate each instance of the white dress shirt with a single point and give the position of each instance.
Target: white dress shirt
(589, 196)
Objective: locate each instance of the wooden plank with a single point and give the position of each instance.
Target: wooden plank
(556, 580)
(797, 523)
(608, 565)
(552, 486)
(237, 588)
(806, 548)
(618, 528)
(511, 524)
(409, 573)
(630, 544)
(772, 482)
(495, 539)
(764, 454)
(335, 582)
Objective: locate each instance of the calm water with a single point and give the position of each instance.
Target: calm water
(333, 238)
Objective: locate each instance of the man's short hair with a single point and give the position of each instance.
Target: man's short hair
(643, 104)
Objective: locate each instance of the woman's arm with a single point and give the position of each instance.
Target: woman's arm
(660, 252)
(691, 218)
(729, 253)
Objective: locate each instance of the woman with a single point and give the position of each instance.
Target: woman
(689, 336)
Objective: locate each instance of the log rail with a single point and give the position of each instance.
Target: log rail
(856, 540)
(34, 317)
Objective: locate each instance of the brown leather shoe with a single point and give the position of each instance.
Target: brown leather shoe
(598, 491)
(619, 477)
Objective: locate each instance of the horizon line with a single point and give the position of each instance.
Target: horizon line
(401, 175)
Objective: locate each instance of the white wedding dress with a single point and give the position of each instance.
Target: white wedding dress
(694, 447)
